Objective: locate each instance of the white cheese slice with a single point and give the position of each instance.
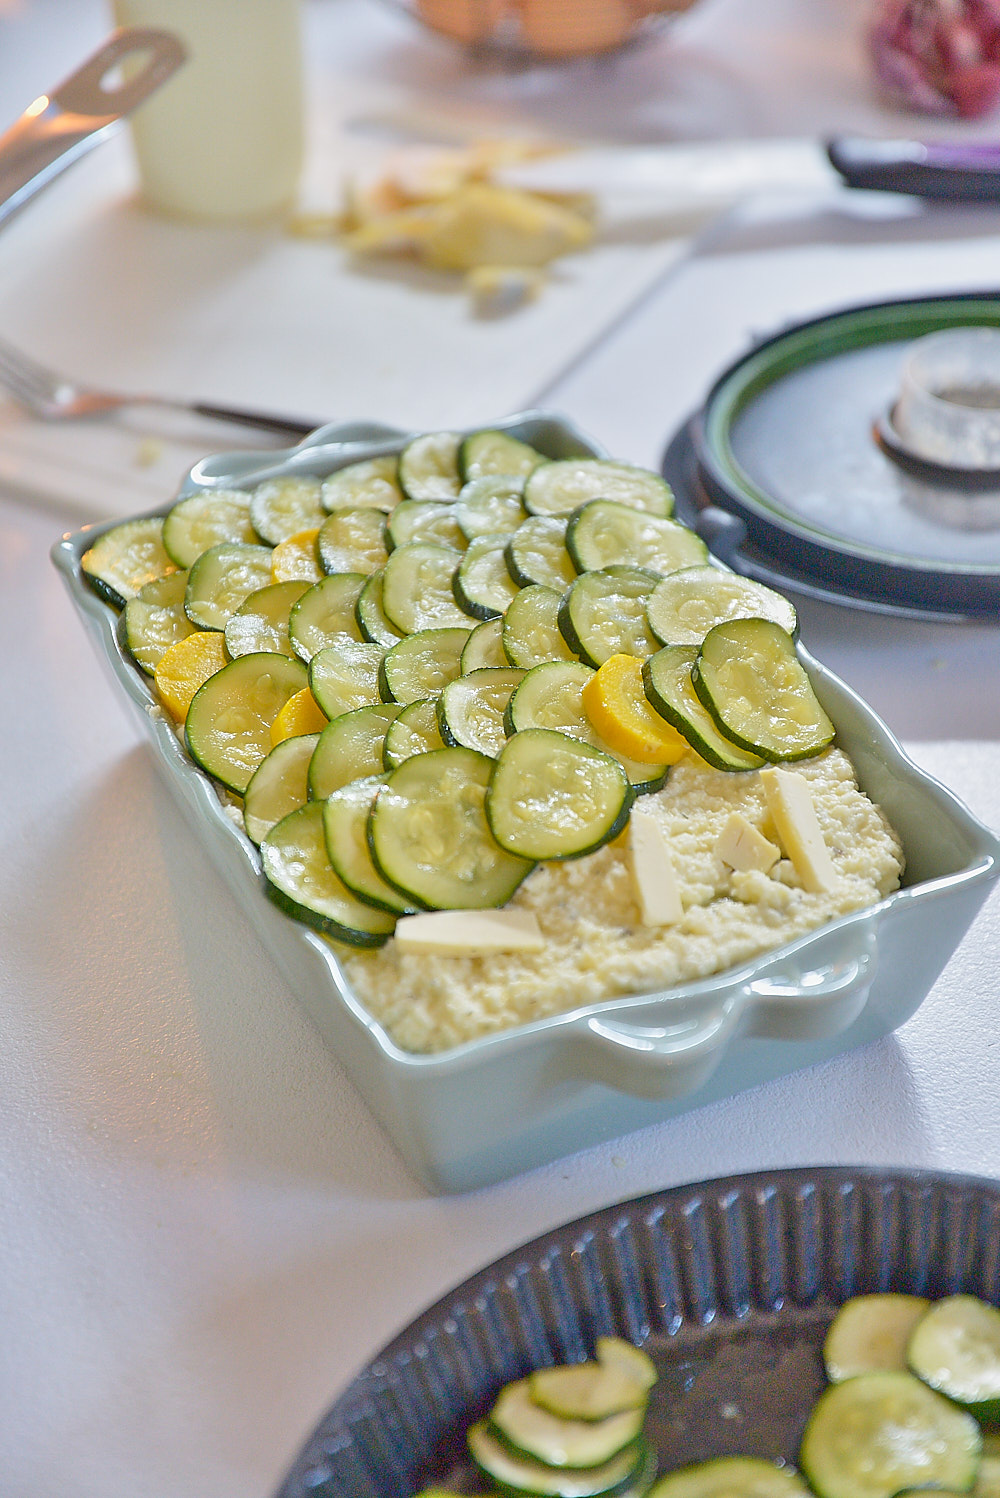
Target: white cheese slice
(653, 871)
(743, 846)
(790, 802)
(463, 933)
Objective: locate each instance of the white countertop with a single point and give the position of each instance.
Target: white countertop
(203, 1233)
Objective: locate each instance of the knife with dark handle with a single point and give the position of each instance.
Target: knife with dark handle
(961, 173)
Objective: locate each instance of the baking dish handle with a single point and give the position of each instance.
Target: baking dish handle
(809, 994)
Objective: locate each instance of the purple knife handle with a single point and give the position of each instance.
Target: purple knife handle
(961, 173)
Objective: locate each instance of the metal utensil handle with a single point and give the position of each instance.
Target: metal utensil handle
(959, 173)
(59, 127)
(263, 420)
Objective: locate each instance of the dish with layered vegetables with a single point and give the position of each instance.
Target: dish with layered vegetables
(499, 727)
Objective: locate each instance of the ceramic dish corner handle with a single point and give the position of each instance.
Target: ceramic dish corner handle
(814, 991)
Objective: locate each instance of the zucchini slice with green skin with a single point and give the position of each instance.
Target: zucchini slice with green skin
(487, 454)
(685, 605)
(955, 1348)
(873, 1435)
(352, 540)
(206, 519)
(666, 679)
(283, 507)
(325, 614)
(536, 553)
(471, 708)
(603, 614)
(350, 747)
(424, 520)
(301, 881)
(261, 621)
(552, 796)
(620, 1379)
(520, 1476)
(345, 827)
(484, 647)
(228, 725)
(869, 1334)
(555, 1440)
(488, 505)
(607, 533)
(751, 681)
(125, 558)
(344, 676)
(561, 487)
(415, 731)
(417, 588)
(371, 482)
(155, 619)
(531, 633)
(370, 615)
(731, 1477)
(428, 467)
(422, 664)
(482, 585)
(430, 838)
(278, 785)
(221, 578)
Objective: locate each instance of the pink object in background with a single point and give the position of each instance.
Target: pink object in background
(939, 56)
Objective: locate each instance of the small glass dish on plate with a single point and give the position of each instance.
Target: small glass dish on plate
(493, 1106)
(529, 31)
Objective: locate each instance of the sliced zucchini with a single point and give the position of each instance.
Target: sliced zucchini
(344, 676)
(430, 838)
(415, 731)
(371, 482)
(559, 488)
(955, 1348)
(428, 467)
(666, 677)
(607, 533)
(471, 708)
(421, 664)
(751, 681)
(228, 725)
(482, 584)
(552, 796)
(517, 1475)
(417, 588)
(619, 1379)
(349, 748)
(604, 613)
(352, 540)
(559, 1442)
(683, 607)
(486, 454)
(536, 553)
(154, 619)
(484, 647)
(873, 1435)
(278, 785)
(370, 615)
(625, 1360)
(424, 520)
(221, 578)
(284, 507)
(531, 632)
(125, 558)
(301, 881)
(345, 827)
(489, 505)
(206, 519)
(869, 1334)
(261, 621)
(325, 614)
(731, 1477)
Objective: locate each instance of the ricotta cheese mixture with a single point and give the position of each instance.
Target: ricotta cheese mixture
(596, 946)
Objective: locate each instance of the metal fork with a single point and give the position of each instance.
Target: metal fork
(53, 397)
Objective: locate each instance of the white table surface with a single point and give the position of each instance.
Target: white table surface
(203, 1233)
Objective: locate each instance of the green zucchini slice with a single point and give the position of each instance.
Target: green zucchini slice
(345, 827)
(684, 606)
(325, 614)
(430, 838)
(221, 578)
(283, 507)
(489, 505)
(488, 453)
(869, 1334)
(279, 785)
(955, 1348)
(531, 633)
(350, 747)
(552, 796)
(125, 558)
(206, 519)
(417, 588)
(731, 1477)
(261, 621)
(370, 615)
(484, 647)
(535, 1432)
(228, 725)
(154, 619)
(666, 678)
(344, 676)
(603, 613)
(414, 731)
(301, 881)
(471, 708)
(561, 487)
(371, 482)
(536, 553)
(516, 1475)
(620, 1379)
(751, 681)
(352, 540)
(873, 1435)
(421, 664)
(424, 520)
(428, 467)
(607, 533)
(482, 585)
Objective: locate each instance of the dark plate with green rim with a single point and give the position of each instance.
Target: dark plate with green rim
(783, 472)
